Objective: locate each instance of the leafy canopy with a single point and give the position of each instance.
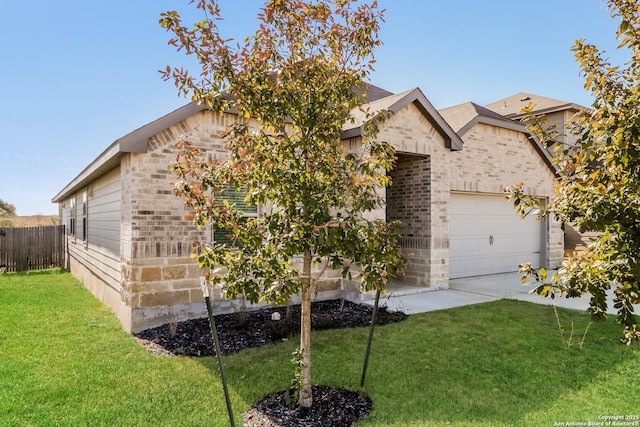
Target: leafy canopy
(300, 76)
(599, 179)
(294, 85)
(7, 209)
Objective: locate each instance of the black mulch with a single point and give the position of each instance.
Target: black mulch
(254, 328)
(331, 407)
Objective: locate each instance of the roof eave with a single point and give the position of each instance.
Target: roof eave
(109, 159)
(505, 124)
(554, 109)
(136, 141)
(543, 152)
(351, 133)
(133, 142)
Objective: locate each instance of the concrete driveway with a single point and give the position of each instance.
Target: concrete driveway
(474, 290)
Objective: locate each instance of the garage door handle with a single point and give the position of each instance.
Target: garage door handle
(490, 240)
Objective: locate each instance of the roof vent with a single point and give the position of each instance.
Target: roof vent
(526, 98)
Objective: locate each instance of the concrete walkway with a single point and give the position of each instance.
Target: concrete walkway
(474, 290)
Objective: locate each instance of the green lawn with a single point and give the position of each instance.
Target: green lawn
(64, 360)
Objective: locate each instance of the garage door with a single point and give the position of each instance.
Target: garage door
(486, 236)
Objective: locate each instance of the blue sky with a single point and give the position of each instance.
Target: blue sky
(76, 75)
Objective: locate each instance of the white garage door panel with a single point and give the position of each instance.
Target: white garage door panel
(486, 236)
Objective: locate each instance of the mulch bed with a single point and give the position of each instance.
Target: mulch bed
(255, 328)
(331, 406)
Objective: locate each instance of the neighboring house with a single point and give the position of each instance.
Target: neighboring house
(130, 244)
(558, 113)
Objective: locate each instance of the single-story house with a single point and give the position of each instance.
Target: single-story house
(130, 244)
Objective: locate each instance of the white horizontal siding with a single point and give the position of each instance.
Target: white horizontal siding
(101, 265)
(65, 214)
(104, 213)
(100, 253)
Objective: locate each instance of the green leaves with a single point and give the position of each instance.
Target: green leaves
(7, 209)
(297, 77)
(599, 178)
(294, 85)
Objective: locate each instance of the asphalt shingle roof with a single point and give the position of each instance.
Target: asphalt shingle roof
(512, 106)
(460, 115)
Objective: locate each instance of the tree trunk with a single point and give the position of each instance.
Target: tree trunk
(306, 398)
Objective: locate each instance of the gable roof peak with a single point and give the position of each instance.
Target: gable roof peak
(463, 116)
(395, 103)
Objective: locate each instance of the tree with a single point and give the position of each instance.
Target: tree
(7, 211)
(300, 76)
(599, 180)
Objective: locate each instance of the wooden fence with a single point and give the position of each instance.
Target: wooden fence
(32, 248)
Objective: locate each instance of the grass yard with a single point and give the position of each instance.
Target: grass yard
(64, 360)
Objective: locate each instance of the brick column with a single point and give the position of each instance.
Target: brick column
(409, 201)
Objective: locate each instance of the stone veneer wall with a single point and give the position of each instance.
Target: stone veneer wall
(160, 279)
(159, 276)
